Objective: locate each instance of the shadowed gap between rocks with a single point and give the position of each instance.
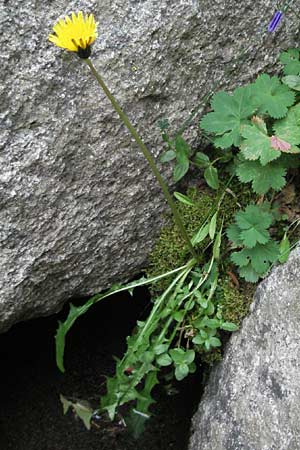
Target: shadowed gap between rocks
(31, 415)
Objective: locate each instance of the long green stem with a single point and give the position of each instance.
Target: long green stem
(146, 154)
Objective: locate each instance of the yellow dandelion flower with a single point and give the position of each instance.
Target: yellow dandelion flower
(75, 33)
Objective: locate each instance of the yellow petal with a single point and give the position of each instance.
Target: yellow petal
(75, 31)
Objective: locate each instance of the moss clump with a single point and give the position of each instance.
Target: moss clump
(235, 302)
(211, 357)
(170, 250)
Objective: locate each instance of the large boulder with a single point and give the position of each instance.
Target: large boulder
(79, 208)
(252, 400)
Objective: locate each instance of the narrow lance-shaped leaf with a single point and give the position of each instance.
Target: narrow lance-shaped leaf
(211, 177)
(212, 225)
(284, 249)
(183, 199)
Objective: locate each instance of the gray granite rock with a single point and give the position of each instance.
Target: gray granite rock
(252, 400)
(79, 208)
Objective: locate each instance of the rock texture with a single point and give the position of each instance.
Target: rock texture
(252, 401)
(79, 208)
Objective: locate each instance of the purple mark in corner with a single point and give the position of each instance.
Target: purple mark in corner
(275, 21)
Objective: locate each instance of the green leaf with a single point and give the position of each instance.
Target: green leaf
(259, 257)
(184, 199)
(253, 235)
(179, 315)
(75, 312)
(207, 345)
(257, 145)
(63, 329)
(189, 356)
(180, 170)
(182, 156)
(288, 128)
(213, 225)
(203, 302)
(161, 348)
(201, 234)
(233, 234)
(181, 371)
(147, 357)
(164, 360)
(144, 399)
(81, 408)
(253, 223)
(271, 96)
(201, 160)
(135, 422)
(167, 156)
(211, 177)
(66, 403)
(263, 178)
(198, 340)
(177, 355)
(249, 274)
(182, 147)
(290, 60)
(292, 81)
(230, 111)
(215, 342)
(284, 249)
(84, 413)
(229, 326)
(210, 309)
(212, 323)
(140, 414)
(217, 245)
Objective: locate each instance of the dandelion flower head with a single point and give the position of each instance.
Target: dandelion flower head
(75, 33)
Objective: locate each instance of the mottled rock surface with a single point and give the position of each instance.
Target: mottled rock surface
(252, 400)
(79, 208)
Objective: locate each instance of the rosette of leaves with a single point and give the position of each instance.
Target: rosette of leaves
(249, 233)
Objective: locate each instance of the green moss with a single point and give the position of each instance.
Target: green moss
(170, 250)
(235, 302)
(211, 357)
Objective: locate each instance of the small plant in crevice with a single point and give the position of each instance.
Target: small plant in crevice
(261, 123)
(255, 131)
(250, 234)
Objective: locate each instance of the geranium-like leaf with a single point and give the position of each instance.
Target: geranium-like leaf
(288, 128)
(259, 257)
(257, 145)
(290, 60)
(272, 96)
(249, 274)
(234, 234)
(253, 216)
(253, 224)
(263, 178)
(230, 112)
(280, 144)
